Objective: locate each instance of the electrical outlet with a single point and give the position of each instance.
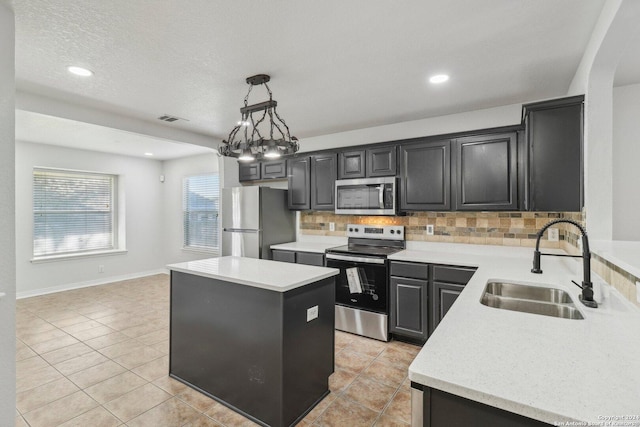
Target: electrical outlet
(430, 229)
(101, 269)
(638, 291)
(332, 226)
(312, 313)
(553, 235)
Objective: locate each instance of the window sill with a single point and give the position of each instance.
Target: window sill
(65, 257)
(213, 252)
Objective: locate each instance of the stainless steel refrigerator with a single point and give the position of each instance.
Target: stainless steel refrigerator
(253, 219)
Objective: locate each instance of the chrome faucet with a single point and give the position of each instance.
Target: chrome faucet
(587, 287)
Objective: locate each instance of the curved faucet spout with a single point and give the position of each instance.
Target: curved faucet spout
(587, 287)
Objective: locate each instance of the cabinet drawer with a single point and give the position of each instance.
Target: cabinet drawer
(284, 256)
(410, 269)
(460, 275)
(310, 258)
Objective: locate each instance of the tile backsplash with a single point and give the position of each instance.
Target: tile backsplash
(483, 228)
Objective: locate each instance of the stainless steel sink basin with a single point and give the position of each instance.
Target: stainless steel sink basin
(530, 299)
(536, 293)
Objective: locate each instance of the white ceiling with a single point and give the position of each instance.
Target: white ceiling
(336, 65)
(33, 127)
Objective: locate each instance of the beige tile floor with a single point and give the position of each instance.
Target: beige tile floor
(99, 357)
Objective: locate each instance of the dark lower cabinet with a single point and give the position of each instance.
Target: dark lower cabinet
(308, 258)
(409, 307)
(248, 171)
(408, 316)
(486, 168)
(441, 409)
(425, 176)
(323, 178)
(444, 295)
(446, 285)
(299, 174)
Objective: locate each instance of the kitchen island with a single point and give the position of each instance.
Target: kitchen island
(256, 335)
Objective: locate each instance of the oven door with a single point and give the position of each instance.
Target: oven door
(362, 282)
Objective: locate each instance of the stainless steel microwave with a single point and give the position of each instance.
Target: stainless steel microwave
(366, 196)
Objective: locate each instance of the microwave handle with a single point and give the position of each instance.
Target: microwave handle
(381, 196)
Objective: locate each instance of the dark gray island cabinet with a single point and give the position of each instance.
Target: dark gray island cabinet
(255, 335)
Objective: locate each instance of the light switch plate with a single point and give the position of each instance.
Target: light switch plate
(553, 235)
(312, 313)
(332, 226)
(430, 230)
(638, 291)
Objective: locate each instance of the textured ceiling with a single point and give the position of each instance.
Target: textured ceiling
(336, 65)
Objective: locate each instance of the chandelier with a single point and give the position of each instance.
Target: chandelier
(261, 132)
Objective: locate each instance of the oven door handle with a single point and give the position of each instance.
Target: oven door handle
(356, 259)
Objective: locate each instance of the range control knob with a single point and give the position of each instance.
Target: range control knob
(392, 232)
(399, 231)
(357, 230)
(350, 229)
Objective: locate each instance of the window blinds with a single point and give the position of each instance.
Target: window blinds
(72, 212)
(200, 205)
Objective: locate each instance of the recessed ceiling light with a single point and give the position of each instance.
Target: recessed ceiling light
(148, 154)
(79, 71)
(439, 78)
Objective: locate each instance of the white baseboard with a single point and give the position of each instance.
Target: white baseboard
(78, 285)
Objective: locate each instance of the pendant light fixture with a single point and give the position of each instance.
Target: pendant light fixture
(261, 132)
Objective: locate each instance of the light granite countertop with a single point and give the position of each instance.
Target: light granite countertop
(259, 273)
(545, 368)
(315, 247)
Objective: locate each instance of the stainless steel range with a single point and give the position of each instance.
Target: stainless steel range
(362, 287)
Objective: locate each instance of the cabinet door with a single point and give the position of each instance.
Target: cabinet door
(409, 307)
(555, 158)
(283, 256)
(425, 177)
(381, 161)
(309, 258)
(443, 297)
(298, 174)
(248, 171)
(351, 164)
(323, 179)
(486, 172)
(274, 169)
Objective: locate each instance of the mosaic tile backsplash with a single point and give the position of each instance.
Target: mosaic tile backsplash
(482, 228)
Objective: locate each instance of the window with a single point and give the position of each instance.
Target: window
(73, 212)
(200, 204)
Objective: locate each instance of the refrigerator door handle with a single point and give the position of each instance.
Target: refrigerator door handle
(241, 230)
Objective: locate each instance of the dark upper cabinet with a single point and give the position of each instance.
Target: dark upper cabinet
(273, 169)
(298, 175)
(554, 138)
(486, 172)
(425, 176)
(381, 161)
(351, 164)
(248, 171)
(323, 178)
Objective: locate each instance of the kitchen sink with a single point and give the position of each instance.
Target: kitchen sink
(530, 299)
(528, 292)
